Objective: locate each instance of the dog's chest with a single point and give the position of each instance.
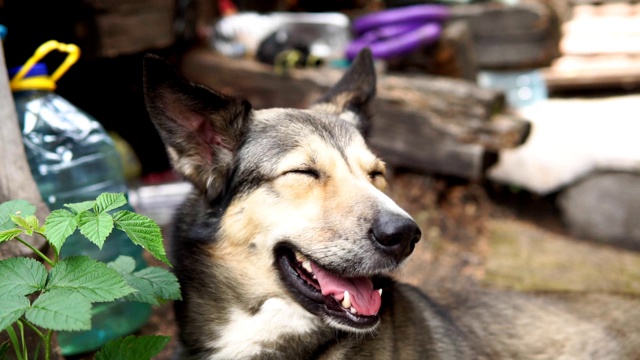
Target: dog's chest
(247, 335)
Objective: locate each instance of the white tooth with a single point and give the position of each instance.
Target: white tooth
(306, 264)
(300, 257)
(346, 301)
(380, 291)
(353, 310)
(315, 277)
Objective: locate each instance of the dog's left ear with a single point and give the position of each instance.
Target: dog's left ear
(350, 96)
(201, 129)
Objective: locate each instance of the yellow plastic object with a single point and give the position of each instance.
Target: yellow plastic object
(18, 82)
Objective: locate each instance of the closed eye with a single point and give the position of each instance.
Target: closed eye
(375, 174)
(306, 171)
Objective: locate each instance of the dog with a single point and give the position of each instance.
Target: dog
(287, 245)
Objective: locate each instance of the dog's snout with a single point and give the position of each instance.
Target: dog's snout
(396, 234)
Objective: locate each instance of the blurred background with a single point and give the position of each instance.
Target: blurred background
(510, 127)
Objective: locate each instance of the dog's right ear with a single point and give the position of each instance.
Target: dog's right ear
(350, 96)
(199, 127)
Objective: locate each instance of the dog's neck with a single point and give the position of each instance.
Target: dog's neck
(279, 329)
(230, 323)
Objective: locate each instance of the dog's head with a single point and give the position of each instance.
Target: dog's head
(298, 194)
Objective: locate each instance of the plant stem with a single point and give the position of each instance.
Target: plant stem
(47, 345)
(43, 256)
(35, 329)
(24, 343)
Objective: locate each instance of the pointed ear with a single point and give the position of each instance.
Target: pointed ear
(350, 96)
(200, 128)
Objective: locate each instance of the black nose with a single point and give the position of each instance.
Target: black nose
(395, 234)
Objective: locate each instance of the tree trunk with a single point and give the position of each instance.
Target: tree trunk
(16, 182)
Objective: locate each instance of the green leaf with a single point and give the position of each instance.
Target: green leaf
(14, 207)
(123, 264)
(29, 223)
(96, 227)
(110, 201)
(151, 283)
(59, 225)
(142, 231)
(21, 276)
(132, 347)
(81, 206)
(10, 234)
(164, 283)
(89, 278)
(57, 310)
(12, 307)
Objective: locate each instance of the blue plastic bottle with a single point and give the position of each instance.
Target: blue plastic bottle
(73, 159)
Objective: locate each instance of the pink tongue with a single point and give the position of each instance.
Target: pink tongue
(364, 299)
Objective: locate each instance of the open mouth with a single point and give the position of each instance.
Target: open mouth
(349, 301)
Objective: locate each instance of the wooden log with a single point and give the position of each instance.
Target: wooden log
(512, 36)
(425, 123)
(452, 56)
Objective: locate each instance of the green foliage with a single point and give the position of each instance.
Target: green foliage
(142, 232)
(14, 208)
(60, 299)
(22, 276)
(12, 307)
(130, 347)
(89, 278)
(152, 283)
(57, 310)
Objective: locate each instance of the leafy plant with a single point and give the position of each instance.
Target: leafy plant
(57, 295)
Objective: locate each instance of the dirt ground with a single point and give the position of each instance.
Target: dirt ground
(479, 234)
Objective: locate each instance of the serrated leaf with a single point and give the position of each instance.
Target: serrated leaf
(59, 225)
(96, 227)
(12, 307)
(142, 231)
(165, 284)
(89, 278)
(29, 223)
(151, 283)
(61, 312)
(133, 347)
(110, 201)
(81, 206)
(14, 207)
(123, 264)
(144, 291)
(7, 235)
(21, 276)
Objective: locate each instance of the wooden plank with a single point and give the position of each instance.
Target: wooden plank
(558, 80)
(512, 36)
(452, 56)
(111, 28)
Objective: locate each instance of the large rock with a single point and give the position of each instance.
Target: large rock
(604, 207)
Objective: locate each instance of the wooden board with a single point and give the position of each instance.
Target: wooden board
(111, 28)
